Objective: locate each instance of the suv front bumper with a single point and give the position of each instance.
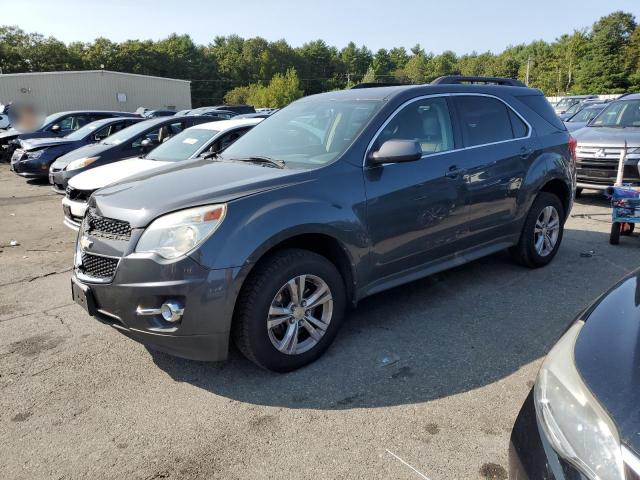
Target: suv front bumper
(142, 282)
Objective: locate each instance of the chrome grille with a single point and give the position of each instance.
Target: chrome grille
(599, 165)
(106, 227)
(98, 266)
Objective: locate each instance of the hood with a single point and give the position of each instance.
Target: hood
(143, 197)
(9, 134)
(92, 150)
(37, 143)
(99, 177)
(607, 355)
(608, 137)
(574, 126)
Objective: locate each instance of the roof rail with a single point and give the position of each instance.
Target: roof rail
(459, 79)
(381, 84)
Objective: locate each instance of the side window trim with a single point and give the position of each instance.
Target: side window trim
(455, 123)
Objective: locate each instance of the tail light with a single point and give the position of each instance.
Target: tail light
(573, 143)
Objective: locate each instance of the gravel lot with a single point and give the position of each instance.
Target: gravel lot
(80, 400)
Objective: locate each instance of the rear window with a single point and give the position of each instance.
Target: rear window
(540, 105)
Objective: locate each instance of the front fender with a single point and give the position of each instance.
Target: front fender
(332, 204)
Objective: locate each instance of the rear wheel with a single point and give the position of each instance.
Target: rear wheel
(627, 229)
(289, 310)
(542, 232)
(614, 238)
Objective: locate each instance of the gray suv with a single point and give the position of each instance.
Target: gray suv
(336, 197)
(603, 139)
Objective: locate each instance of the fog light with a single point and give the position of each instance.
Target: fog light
(171, 311)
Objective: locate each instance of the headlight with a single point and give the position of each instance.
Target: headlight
(177, 233)
(34, 155)
(577, 427)
(81, 163)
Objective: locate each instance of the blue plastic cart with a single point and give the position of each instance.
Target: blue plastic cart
(625, 213)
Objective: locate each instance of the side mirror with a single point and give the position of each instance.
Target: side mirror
(146, 144)
(395, 151)
(55, 128)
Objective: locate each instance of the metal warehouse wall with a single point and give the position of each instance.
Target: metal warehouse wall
(58, 91)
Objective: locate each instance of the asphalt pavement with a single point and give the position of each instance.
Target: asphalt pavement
(423, 381)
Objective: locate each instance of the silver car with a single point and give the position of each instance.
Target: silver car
(601, 142)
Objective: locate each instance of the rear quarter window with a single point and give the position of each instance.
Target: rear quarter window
(540, 105)
(483, 120)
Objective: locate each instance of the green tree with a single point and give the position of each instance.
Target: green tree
(370, 76)
(603, 67)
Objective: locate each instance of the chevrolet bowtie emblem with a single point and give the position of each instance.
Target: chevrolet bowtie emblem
(85, 243)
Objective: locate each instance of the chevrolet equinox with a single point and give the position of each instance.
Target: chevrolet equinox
(336, 197)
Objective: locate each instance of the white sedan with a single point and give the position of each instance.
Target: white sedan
(193, 142)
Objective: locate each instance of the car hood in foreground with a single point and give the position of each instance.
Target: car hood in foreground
(143, 197)
(37, 143)
(99, 177)
(608, 137)
(607, 355)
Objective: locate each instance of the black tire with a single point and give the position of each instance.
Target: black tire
(525, 252)
(630, 227)
(614, 238)
(249, 329)
(578, 192)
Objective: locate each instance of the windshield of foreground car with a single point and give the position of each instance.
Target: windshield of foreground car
(306, 134)
(585, 114)
(182, 146)
(620, 114)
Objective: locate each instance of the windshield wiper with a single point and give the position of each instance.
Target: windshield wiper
(264, 160)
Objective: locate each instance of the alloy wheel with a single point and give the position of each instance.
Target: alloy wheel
(546, 231)
(300, 314)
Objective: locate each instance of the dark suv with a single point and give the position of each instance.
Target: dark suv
(336, 197)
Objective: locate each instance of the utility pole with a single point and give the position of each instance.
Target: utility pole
(528, 70)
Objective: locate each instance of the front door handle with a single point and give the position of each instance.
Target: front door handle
(454, 172)
(525, 152)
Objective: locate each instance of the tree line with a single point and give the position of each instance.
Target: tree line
(604, 58)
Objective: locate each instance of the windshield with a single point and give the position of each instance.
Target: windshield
(51, 118)
(565, 102)
(84, 131)
(306, 134)
(620, 114)
(183, 145)
(127, 133)
(573, 108)
(585, 115)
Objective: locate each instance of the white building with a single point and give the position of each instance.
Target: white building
(94, 89)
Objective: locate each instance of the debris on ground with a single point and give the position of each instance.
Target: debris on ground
(388, 359)
(14, 243)
(588, 254)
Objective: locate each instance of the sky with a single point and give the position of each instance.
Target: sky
(459, 25)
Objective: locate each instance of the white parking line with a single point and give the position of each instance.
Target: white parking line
(422, 475)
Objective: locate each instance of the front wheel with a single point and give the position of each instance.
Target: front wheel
(542, 232)
(289, 310)
(614, 237)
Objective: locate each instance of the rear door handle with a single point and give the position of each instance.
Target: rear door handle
(525, 152)
(454, 172)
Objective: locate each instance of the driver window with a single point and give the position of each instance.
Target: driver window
(426, 121)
